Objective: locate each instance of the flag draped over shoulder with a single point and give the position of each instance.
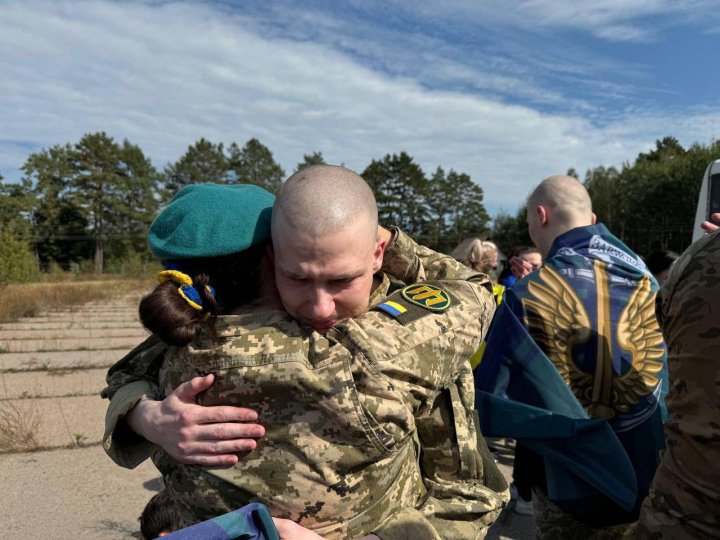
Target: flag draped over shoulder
(520, 394)
(251, 522)
(574, 367)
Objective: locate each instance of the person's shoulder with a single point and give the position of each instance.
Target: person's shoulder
(253, 334)
(420, 313)
(697, 267)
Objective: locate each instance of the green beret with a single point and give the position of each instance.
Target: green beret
(211, 220)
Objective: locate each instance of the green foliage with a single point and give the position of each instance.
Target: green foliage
(59, 224)
(16, 203)
(511, 232)
(17, 261)
(651, 203)
(401, 189)
(114, 186)
(439, 212)
(316, 158)
(93, 197)
(134, 264)
(254, 164)
(203, 162)
(461, 206)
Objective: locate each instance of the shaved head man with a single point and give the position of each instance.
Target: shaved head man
(326, 246)
(557, 205)
(590, 309)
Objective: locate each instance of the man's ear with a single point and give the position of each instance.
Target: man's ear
(379, 252)
(593, 221)
(542, 215)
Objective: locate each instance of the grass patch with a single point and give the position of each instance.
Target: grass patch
(31, 299)
(18, 428)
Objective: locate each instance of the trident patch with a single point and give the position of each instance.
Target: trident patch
(427, 296)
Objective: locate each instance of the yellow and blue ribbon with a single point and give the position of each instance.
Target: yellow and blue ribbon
(186, 289)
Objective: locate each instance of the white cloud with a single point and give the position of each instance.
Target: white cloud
(165, 75)
(614, 20)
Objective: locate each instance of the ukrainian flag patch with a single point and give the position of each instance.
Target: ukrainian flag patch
(392, 308)
(427, 296)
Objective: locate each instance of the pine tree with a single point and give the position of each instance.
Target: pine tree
(203, 162)
(254, 164)
(316, 158)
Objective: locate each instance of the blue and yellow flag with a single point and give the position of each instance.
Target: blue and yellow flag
(520, 394)
(251, 522)
(573, 369)
(590, 464)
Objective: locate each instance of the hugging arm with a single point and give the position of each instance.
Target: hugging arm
(139, 418)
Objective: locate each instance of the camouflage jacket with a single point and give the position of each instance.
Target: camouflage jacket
(345, 412)
(684, 499)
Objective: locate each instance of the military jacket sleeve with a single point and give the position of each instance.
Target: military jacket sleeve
(426, 355)
(133, 377)
(409, 262)
(684, 500)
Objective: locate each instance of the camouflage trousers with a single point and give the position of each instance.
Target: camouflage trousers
(554, 523)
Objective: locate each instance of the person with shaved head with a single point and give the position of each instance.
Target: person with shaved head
(353, 378)
(578, 341)
(326, 246)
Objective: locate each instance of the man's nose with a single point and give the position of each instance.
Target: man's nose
(322, 305)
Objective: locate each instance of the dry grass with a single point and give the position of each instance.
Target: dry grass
(31, 299)
(18, 428)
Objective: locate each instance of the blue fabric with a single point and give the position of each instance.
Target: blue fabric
(508, 281)
(520, 394)
(589, 462)
(251, 522)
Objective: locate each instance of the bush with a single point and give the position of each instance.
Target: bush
(18, 263)
(133, 264)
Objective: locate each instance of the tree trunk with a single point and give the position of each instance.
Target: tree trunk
(98, 255)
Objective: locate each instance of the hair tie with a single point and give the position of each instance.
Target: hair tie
(186, 289)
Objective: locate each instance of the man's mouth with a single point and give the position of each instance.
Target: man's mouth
(324, 325)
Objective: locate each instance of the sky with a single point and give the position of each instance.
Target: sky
(508, 92)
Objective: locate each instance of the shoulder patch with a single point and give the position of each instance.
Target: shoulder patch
(427, 296)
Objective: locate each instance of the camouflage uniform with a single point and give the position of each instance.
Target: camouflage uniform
(684, 499)
(344, 413)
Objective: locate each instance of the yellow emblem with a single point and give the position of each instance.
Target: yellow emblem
(557, 320)
(427, 296)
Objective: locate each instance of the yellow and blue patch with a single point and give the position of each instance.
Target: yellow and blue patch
(415, 302)
(427, 296)
(392, 308)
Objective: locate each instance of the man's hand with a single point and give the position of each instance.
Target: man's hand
(520, 267)
(708, 226)
(193, 434)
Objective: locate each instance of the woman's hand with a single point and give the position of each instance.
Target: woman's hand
(289, 530)
(192, 433)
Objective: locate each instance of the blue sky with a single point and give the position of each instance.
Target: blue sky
(508, 92)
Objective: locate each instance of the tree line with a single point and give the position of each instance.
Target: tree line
(95, 199)
(649, 203)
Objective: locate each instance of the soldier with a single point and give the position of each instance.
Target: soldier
(684, 499)
(584, 322)
(395, 374)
